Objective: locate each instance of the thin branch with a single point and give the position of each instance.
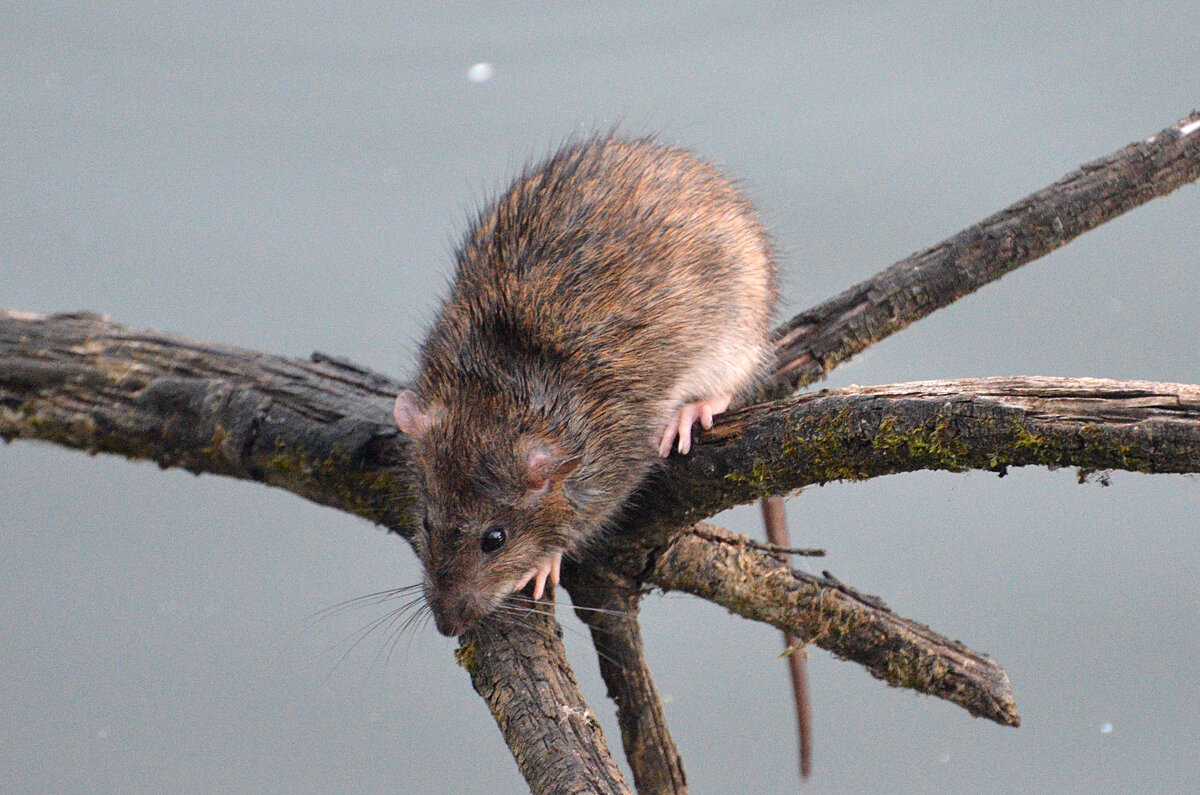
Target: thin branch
(609, 606)
(851, 625)
(814, 342)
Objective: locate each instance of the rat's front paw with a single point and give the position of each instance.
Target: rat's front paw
(681, 423)
(547, 569)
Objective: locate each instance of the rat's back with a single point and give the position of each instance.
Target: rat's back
(637, 270)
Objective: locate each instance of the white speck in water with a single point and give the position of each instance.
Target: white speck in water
(668, 698)
(102, 734)
(944, 758)
(1115, 306)
(210, 610)
(481, 72)
(1106, 728)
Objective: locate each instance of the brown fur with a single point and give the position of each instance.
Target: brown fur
(607, 286)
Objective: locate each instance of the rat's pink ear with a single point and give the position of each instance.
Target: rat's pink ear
(410, 417)
(545, 468)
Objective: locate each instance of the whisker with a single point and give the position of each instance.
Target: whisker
(358, 636)
(515, 616)
(379, 597)
(600, 610)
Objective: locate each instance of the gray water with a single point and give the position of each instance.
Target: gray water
(291, 178)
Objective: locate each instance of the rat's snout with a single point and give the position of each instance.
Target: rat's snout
(450, 626)
(454, 612)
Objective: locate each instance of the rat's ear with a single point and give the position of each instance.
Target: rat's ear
(545, 468)
(410, 416)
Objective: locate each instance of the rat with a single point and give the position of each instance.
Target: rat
(613, 296)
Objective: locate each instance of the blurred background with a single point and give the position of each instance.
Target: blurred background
(294, 177)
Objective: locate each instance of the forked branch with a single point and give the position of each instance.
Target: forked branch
(322, 429)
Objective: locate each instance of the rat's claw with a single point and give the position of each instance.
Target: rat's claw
(548, 569)
(668, 436)
(687, 418)
(682, 421)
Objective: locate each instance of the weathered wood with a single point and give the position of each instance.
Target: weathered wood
(519, 667)
(322, 430)
(609, 607)
(839, 619)
(992, 424)
(819, 339)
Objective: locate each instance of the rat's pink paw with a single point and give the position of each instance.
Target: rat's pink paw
(547, 569)
(681, 424)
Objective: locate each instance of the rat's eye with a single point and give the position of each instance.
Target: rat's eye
(492, 540)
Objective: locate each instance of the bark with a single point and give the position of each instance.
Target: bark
(839, 619)
(322, 429)
(609, 606)
(814, 342)
(520, 669)
(980, 423)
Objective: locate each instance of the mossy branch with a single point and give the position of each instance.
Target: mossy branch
(322, 429)
(839, 619)
(992, 424)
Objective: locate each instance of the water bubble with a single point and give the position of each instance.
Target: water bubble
(1106, 728)
(481, 72)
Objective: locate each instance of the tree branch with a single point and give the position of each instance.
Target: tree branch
(520, 669)
(837, 618)
(814, 342)
(609, 606)
(982, 423)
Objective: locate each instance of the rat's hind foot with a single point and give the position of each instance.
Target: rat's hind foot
(547, 569)
(681, 423)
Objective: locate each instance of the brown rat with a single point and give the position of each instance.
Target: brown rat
(609, 299)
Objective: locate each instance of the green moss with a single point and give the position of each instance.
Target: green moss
(932, 449)
(1027, 440)
(375, 494)
(464, 655)
(1108, 455)
(216, 446)
(822, 447)
(757, 481)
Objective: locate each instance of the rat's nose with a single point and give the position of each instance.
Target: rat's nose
(450, 626)
(450, 614)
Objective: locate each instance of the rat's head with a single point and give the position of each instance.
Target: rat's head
(492, 508)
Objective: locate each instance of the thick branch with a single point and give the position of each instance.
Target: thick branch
(319, 429)
(816, 341)
(520, 669)
(984, 423)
